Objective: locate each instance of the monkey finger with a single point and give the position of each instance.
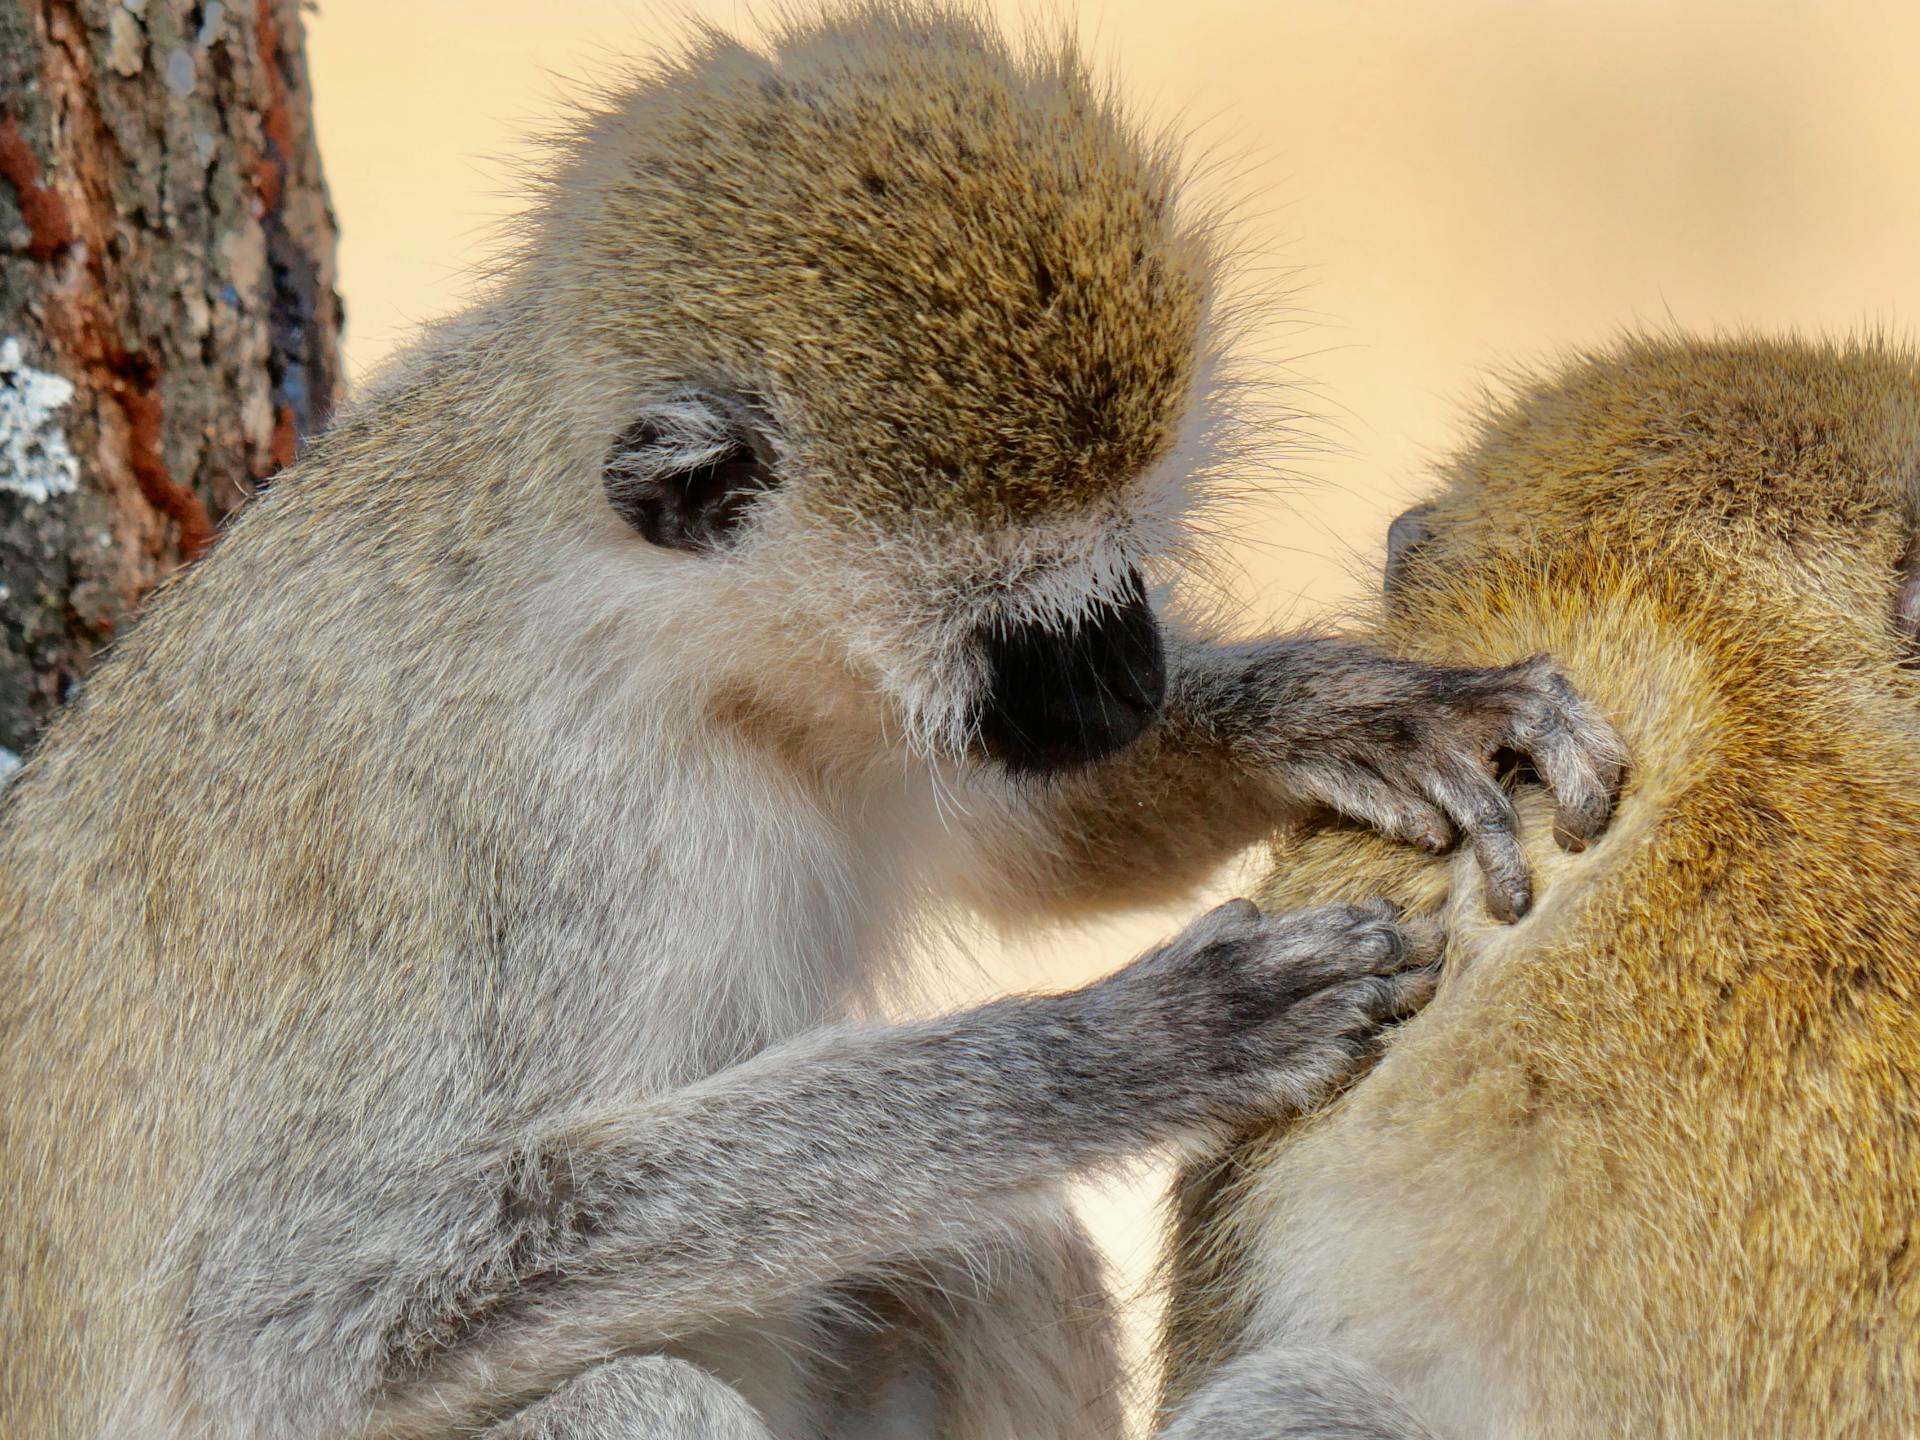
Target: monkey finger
(1406, 994)
(1331, 934)
(1365, 795)
(1394, 1000)
(1577, 753)
(1399, 993)
(1313, 950)
(1413, 821)
(1426, 940)
(1509, 881)
(1583, 799)
(1353, 1012)
(1479, 806)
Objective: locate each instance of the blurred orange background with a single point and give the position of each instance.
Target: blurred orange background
(1446, 188)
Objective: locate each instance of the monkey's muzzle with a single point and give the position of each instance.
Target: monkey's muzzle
(1060, 697)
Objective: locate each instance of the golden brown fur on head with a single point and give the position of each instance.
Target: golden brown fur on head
(938, 290)
(1649, 1165)
(954, 274)
(1710, 463)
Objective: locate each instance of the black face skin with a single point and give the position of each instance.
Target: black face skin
(1058, 699)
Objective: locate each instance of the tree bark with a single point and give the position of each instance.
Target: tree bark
(169, 329)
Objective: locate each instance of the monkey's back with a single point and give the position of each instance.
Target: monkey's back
(172, 878)
(1649, 1164)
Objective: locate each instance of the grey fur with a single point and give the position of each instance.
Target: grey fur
(640, 1397)
(1290, 1393)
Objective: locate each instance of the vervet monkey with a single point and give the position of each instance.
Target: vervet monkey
(433, 940)
(1649, 1164)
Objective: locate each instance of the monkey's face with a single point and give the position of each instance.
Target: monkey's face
(1032, 646)
(923, 330)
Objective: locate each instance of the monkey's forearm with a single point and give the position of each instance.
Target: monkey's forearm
(856, 1143)
(1254, 734)
(740, 1193)
(1214, 776)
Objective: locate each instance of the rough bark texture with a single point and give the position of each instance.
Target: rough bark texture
(168, 322)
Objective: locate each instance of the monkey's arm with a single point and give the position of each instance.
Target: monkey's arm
(1010, 1332)
(1256, 734)
(1284, 1393)
(478, 1284)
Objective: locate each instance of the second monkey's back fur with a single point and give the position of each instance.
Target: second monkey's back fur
(1650, 1163)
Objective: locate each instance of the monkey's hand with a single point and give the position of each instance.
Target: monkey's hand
(1408, 748)
(1263, 1012)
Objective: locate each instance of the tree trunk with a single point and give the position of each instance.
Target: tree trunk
(168, 323)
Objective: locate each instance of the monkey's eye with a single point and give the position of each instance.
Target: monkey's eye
(679, 502)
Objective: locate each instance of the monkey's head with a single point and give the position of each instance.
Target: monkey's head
(1672, 520)
(897, 342)
(1732, 469)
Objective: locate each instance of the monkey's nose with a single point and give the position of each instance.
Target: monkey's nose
(1059, 697)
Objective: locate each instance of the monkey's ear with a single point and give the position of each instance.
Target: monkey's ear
(1906, 600)
(685, 487)
(1409, 531)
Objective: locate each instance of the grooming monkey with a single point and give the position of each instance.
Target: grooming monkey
(432, 942)
(1649, 1164)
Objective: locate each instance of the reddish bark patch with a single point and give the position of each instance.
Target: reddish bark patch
(148, 461)
(49, 228)
(269, 171)
(286, 437)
